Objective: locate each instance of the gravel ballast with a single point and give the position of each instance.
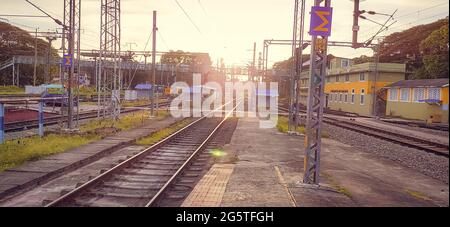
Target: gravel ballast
(429, 164)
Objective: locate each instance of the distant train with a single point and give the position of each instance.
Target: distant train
(55, 95)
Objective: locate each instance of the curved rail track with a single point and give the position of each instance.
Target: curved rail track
(143, 179)
(54, 120)
(401, 139)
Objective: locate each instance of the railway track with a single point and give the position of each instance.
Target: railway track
(54, 120)
(402, 139)
(143, 179)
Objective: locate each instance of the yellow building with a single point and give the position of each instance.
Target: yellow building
(350, 87)
(419, 100)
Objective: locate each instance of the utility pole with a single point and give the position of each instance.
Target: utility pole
(35, 58)
(320, 30)
(355, 24)
(254, 62)
(50, 39)
(71, 52)
(299, 62)
(152, 111)
(376, 51)
(296, 67)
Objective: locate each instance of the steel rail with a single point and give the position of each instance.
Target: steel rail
(157, 196)
(99, 178)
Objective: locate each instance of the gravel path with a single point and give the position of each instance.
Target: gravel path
(426, 163)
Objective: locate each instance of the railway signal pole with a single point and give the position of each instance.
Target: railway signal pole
(152, 111)
(320, 29)
(355, 28)
(297, 62)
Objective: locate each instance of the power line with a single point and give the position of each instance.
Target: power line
(164, 41)
(203, 8)
(189, 17)
(421, 10)
(413, 13)
(140, 59)
(20, 15)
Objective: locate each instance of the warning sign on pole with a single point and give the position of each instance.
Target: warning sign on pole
(67, 60)
(321, 18)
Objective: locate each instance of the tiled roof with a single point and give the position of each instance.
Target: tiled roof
(421, 83)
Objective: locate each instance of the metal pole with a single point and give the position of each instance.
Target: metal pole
(293, 71)
(374, 87)
(2, 122)
(71, 70)
(78, 60)
(152, 113)
(254, 62)
(299, 62)
(41, 118)
(355, 24)
(18, 75)
(35, 58)
(47, 67)
(314, 117)
(13, 72)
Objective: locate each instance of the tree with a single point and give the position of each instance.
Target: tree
(435, 53)
(362, 59)
(181, 57)
(15, 41)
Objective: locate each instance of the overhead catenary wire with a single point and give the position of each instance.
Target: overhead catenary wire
(406, 15)
(201, 6)
(188, 16)
(140, 59)
(163, 40)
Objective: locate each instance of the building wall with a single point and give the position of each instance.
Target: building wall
(418, 110)
(350, 82)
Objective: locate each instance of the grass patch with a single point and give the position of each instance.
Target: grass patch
(417, 195)
(16, 152)
(283, 126)
(336, 186)
(126, 122)
(163, 133)
(11, 90)
(136, 103)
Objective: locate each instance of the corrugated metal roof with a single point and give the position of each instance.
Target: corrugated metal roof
(421, 83)
(143, 87)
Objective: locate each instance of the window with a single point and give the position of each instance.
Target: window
(353, 96)
(419, 94)
(347, 78)
(434, 93)
(340, 97)
(328, 79)
(393, 94)
(404, 94)
(362, 76)
(345, 63)
(345, 98)
(337, 78)
(362, 96)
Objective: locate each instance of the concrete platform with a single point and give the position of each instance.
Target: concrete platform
(267, 168)
(38, 172)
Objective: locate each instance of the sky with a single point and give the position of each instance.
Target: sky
(225, 28)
